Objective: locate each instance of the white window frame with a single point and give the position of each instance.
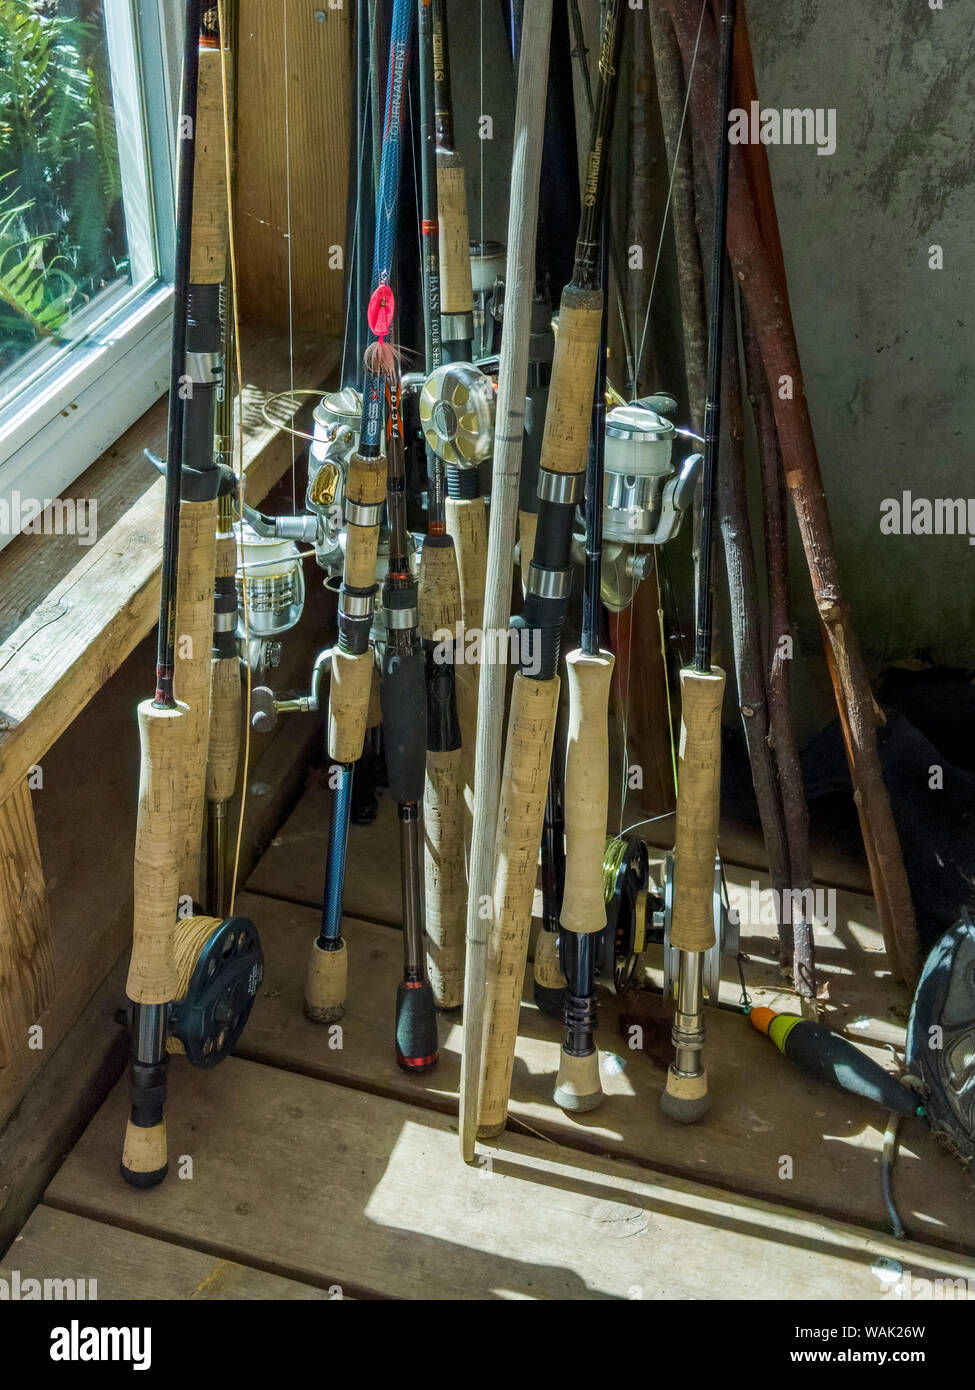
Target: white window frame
(89, 395)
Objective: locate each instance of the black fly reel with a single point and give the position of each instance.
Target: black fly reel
(638, 915)
(626, 884)
(220, 965)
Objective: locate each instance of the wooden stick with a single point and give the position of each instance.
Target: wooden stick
(746, 617)
(509, 437)
(782, 738)
(755, 247)
(690, 279)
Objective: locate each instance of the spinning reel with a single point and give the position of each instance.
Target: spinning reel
(639, 914)
(220, 966)
(645, 495)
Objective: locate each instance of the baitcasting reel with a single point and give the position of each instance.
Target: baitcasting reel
(645, 497)
(222, 965)
(457, 414)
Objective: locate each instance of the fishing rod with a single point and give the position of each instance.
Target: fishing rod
(548, 980)
(192, 979)
(530, 760)
(589, 672)
(225, 682)
(445, 874)
(458, 390)
(352, 659)
(403, 694)
(692, 933)
(534, 700)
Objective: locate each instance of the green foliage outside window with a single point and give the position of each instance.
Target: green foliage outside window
(62, 230)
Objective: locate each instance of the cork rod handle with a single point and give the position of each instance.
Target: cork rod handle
(698, 788)
(586, 790)
(524, 783)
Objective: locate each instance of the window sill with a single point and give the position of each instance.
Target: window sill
(69, 614)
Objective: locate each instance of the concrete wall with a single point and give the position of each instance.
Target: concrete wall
(887, 344)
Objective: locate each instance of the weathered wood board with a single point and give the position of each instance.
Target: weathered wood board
(99, 1261)
(763, 1108)
(861, 998)
(328, 1185)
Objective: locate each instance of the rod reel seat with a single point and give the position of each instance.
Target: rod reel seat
(220, 965)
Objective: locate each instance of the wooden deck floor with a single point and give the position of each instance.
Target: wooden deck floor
(310, 1167)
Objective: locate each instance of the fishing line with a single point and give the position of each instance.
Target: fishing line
(272, 400)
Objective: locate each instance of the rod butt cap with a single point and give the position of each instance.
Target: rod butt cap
(326, 984)
(417, 1045)
(686, 1099)
(578, 1087)
(144, 1159)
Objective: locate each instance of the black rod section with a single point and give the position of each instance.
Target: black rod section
(712, 409)
(166, 640)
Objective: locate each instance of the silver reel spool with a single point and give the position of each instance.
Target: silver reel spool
(726, 934)
(645, 498)
(488, 265)
(336, 437)
(457, 414)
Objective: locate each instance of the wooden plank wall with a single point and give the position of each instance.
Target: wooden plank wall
(293, 134)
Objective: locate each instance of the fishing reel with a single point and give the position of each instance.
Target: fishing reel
(457, 406)
(626, 889)
(726, 934)
(220, 966)
(639, 913)
(488, 265)
(645, 495)
(335, 439)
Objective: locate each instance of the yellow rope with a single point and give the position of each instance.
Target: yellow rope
(190, 937)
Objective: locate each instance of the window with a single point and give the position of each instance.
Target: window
(87, 93)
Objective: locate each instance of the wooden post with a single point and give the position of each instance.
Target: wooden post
(26, 945)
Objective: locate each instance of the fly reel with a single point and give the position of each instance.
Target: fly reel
(457, 414)
(626, 881)
(639, 914)
(220, 966)
(726, 935)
